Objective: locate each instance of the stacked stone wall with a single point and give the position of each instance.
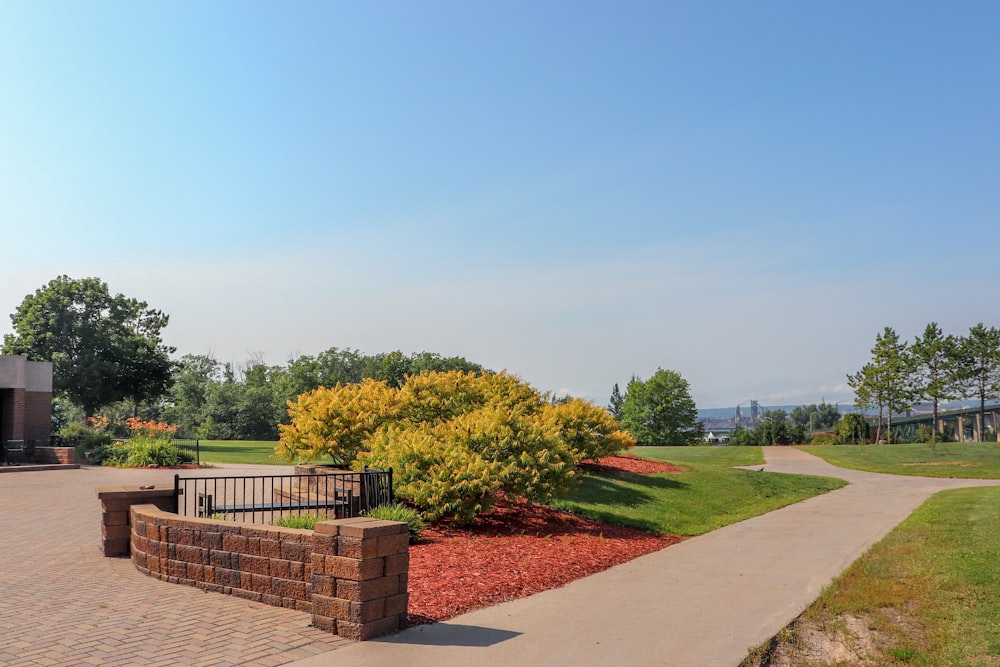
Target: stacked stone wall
(263, 564)
(350, 574)
(360, 577)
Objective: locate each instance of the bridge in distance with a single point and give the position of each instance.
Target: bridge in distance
(961, 424)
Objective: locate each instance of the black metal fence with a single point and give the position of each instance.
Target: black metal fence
(263, 498)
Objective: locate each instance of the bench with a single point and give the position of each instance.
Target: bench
(207, 508)
(13, 450)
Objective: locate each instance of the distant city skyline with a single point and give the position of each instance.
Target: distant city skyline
(743, 193)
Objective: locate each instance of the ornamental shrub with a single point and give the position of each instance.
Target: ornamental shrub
(457, 442)
(590, 430)
(435, 472)
(142, 452)
(335, 422)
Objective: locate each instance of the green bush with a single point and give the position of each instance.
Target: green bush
(307, 521)
(925, 433)
(824, 439)
(90, 442)
(400, 512)
(142, 452)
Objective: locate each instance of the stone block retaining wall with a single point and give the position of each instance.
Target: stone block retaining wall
(350, 574)
(58, 455)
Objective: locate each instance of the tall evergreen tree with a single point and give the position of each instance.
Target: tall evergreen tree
(616, 402)
(885, 381)
(935, 370)
(980, 352)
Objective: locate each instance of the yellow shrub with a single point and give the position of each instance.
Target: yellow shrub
(457, 442)
(336, 422)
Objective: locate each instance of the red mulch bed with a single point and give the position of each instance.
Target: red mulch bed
(519, 550)
(620, 464)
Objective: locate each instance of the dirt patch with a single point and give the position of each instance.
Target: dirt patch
(521, 549)
(844, 640)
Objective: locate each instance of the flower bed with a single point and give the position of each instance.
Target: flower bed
(519, 550)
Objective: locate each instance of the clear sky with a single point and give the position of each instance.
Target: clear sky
(743, 192)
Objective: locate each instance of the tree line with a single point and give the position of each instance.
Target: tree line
(779, 427)
(108, 355)
(933, 368)
(213, 401)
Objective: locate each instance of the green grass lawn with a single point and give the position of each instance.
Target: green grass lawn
(708, 496)
(965, 459)
(234, 451)
(930, 589)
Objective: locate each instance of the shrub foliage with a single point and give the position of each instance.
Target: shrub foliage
(456, 441)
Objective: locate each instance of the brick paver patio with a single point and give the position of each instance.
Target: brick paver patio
(63, 603)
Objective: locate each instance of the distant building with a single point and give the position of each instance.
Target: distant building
(25, 399)
(717, 437)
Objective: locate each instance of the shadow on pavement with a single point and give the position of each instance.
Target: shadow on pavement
(449, 634)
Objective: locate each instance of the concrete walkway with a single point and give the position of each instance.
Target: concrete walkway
(701, 602)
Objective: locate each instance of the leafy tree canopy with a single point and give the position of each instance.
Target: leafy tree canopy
(815, 417)
(103, 348)
(660, 411)
(776, 428)
(852, 428)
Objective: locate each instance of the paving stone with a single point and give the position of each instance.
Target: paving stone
(68, 605)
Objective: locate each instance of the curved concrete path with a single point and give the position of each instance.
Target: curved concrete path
(702, 602)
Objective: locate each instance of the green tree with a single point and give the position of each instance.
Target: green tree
(778, 428)
(616, 402)
(259, 404)
(936, 371)
(743, 436)
(222, 406)
(660, 411)
(885, 381)
(980, 354)
(103, 348)
(432, 362)
(193, 378)
(391, 368)
(852, 428)
(815, 417)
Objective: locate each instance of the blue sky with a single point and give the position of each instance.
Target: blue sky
(743, 192)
